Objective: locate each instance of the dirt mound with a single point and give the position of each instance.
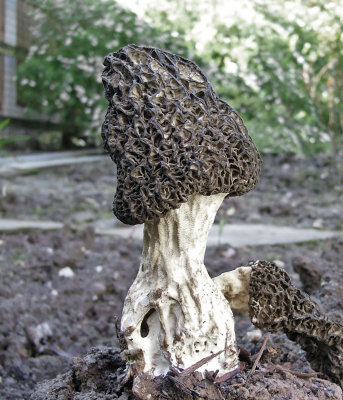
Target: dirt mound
(97, 376)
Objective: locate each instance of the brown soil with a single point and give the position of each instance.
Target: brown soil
(50, 321)
(96, 377)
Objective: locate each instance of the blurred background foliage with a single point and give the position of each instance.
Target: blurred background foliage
(279, 63)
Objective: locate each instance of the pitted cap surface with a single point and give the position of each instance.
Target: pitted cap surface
(170, 135)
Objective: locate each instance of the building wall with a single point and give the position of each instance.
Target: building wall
(14, 38)
(14, 44)
(1, 80)
(2, 28)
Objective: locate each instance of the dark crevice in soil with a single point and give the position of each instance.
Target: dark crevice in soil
(76, 383)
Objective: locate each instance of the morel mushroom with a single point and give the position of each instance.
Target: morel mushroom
(264, 291)
(179, 151)
(275, 304)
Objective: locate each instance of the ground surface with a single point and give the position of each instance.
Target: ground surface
(60, 290)
(302, 193)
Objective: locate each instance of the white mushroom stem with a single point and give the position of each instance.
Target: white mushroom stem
(174, 314)
(235, 287)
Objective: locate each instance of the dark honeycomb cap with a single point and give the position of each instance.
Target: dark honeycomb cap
(170, 135)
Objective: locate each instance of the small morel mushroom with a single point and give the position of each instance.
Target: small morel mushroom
(273, 303)
(179, 151)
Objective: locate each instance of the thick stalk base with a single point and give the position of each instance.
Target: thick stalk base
(174, 314)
